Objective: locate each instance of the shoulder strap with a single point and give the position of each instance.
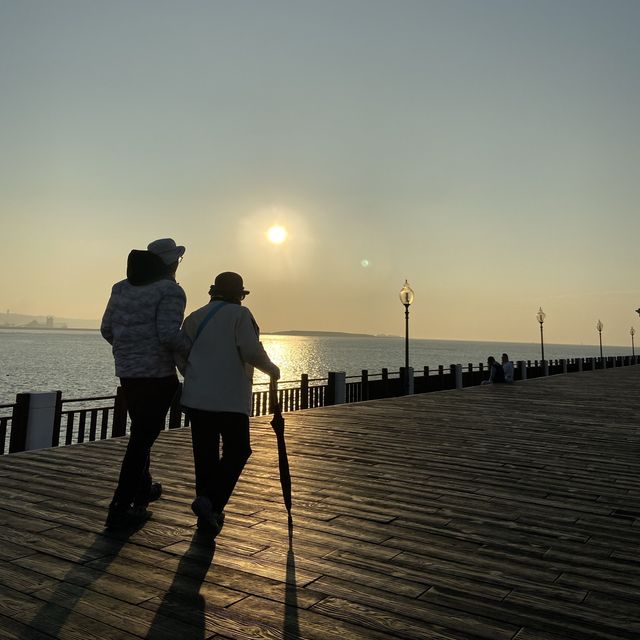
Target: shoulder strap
(205, 321)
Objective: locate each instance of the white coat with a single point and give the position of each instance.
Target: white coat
(218, 375)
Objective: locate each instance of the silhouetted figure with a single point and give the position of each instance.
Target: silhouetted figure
(217, 393)
(142, 323)
(507, 367)
(496, 372)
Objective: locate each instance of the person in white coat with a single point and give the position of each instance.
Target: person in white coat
(217, 393)
(507, 366)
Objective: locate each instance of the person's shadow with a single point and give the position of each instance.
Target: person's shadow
(183, 599)
(51, 616)
(291, 623)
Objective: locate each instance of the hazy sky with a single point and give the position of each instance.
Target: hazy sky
(486, 150)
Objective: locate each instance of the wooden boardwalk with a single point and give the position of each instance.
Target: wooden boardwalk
(495, 512)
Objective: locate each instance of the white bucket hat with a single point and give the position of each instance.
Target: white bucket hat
(166, 249)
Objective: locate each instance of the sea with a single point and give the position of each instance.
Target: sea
(80, 363)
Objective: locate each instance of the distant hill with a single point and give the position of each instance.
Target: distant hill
(21, 320)
(326, 334)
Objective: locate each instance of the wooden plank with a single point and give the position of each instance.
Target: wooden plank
(408, 626)
(22, 579)
(128, 589)
(11, 551)
(54, 619)
(14, 630)
(124, 618)
(297, 623)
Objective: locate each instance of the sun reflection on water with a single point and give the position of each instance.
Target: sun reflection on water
(294, 355)
(316, 356)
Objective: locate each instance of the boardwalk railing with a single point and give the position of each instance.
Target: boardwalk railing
(77, 420)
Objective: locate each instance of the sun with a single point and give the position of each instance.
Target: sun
(276, 234)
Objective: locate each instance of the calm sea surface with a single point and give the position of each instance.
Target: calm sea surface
(80, 363)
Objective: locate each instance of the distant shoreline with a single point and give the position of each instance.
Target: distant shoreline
(292, 332)
(333, 334)
(326, 334)
(7, 327)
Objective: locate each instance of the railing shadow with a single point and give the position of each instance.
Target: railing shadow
(52, 615)
(291, 626)
(183, 600)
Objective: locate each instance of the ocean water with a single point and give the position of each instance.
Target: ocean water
(80, 364)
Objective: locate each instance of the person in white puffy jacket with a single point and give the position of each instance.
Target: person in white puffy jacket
(142, 323)
(507, 367)
(217, 393)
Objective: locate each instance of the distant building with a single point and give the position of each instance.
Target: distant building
(50, 322)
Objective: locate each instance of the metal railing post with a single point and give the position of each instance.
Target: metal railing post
(385, 382)
(19, 420)
(57, 419)
(522, 368)
(406, 380)
(365, 384)
(336, 388)
(456, 374)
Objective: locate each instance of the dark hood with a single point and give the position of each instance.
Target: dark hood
(144, 267)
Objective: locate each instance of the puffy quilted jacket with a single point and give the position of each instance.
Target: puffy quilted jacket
(142, 323)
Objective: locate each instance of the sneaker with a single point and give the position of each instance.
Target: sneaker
(155, 492)
(121, 518)
(208, 519)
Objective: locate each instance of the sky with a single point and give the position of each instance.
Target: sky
(487, 151)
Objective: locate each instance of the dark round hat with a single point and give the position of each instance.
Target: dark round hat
(228, 283)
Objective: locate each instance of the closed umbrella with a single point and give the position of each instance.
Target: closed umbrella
(283, 462)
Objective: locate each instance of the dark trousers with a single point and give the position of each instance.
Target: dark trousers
(148, 401)
(216, 475)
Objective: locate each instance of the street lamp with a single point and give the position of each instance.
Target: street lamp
(632, 331)
(600, 327)
(406, 297)
(541, 315)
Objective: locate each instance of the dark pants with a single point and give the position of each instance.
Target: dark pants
(148, 401)
(216, 475)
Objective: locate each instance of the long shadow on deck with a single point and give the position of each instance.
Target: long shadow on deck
(51, 616)
(291, 623)
(183, 599)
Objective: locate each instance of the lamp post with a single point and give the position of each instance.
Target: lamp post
(632, 332)
(541, 315)
(406, 297)
(600, 327)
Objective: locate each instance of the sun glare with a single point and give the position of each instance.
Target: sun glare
(277, 234)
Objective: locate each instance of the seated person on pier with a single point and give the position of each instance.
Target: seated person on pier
(496, 372)
(507, 367)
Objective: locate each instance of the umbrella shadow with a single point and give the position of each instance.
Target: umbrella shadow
(52, 615)
(291, 624)
(183, 599)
